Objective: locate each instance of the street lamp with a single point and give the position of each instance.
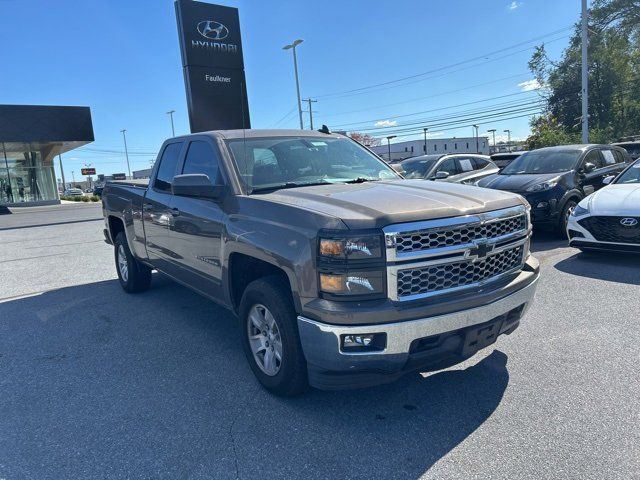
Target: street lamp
(170, 113)
(293, 46)
(425, 129)
(126, 152)
(477, 141)
(508, 132)
(493, 131)
(389, 145)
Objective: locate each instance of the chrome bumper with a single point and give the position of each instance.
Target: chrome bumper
(321, 342)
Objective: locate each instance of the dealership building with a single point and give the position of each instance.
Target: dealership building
(31, 136)
(413, 148)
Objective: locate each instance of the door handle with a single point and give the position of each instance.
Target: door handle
(175, 212)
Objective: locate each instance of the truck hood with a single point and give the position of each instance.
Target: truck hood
(616, 200)
(381, 203)
(516, 183)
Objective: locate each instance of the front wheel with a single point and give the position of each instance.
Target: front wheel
(564, 217)
(270, 339)
(134, 277)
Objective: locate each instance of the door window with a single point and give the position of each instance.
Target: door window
(449, 166)
(594, 157)
(201, 158)
(480, 163)
(609, 159)
(167, 168)
(465, 164)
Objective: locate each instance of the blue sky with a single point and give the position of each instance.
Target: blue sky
(122, 59)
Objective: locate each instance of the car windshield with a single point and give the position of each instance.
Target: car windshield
(543, 161)
(283, 162)
(418, 168)
(631, 175)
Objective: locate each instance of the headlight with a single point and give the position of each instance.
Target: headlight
(541, 187)
(351, 248)
(353, 283)
(579, 211)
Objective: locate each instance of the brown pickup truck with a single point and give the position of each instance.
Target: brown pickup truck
(342, 273)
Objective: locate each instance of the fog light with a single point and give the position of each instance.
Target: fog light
(543, 205)
(366, 342)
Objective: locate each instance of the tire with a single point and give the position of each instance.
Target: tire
(134, 277)
(564, 218)
(268, 316)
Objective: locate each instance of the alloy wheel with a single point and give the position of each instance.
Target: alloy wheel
(264, 339)
(123, 265)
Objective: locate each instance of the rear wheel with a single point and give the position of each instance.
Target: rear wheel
(134, 276)
(270, 339)
(564, 217)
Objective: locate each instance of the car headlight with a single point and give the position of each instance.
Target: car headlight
(351, 248)
(579, 211)
(353, 283)
(541, 187)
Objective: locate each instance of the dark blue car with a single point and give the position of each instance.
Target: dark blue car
(555, 179)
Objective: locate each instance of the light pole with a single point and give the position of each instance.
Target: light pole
(64, 186)
(585, 73)
(170, 113)
(87, 165)
(477, 141)
(389, 145)
(310, 101)
(293, 46)
(493, 131)
(425, 129)
(508, 132)
(73, 176)
(126, 152)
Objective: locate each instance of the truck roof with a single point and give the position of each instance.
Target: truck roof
(257, 132)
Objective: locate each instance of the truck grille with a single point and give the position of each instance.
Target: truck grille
(609, 229)
(436, 278)
(438, 256)
(463, 234)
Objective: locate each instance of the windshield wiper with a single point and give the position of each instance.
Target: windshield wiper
(361, 180)
(289, 185)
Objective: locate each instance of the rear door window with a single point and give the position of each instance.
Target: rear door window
(168, 166)
(609, 158)
(466, 164)
(480, 163)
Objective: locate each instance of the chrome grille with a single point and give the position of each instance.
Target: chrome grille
(458, 235)
(436, 278)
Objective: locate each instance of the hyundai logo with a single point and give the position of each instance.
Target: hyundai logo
(212, 30)
(629, 222)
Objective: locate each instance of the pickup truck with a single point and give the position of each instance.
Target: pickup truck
(341, 273)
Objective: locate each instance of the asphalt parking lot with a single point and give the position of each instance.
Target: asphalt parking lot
(98, 383)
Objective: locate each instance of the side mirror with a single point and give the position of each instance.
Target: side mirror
(588, 167)
(441, 175)
(195, 185)
(608, 180)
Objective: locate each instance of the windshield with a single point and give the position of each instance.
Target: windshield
(631, 175)
(282, 162)
(543, 161)
(418, 168)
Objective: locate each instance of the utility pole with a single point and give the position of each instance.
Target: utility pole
(73, 176)
(126, 152)
(425, 130)
(310, 111)
(508, 132)
(64, 183)
(585, 73)
(389, 145)
(295, 68)
(170, 113)
(477, 139)
(493, 131)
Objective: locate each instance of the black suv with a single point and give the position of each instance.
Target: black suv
(633, 148)
(555, 179)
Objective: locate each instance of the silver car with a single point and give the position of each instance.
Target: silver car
(455, 168)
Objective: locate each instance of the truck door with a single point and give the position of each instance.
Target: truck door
(196, 230)
(156, 209)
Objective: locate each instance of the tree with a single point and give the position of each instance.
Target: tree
(614, 78)
(365, 139)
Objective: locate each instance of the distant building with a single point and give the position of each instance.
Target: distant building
(138, 174)
(413, 148)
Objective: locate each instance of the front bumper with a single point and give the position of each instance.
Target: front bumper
(429, 343)
(580, 237)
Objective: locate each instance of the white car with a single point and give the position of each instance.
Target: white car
(609, 219)
(73, 192)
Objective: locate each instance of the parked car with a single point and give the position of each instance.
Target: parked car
(73, 192)
(342, 273)
(98, 191)
(456, 168)
(505, 158)
(555, 179)
(632, 148)
(610, 218)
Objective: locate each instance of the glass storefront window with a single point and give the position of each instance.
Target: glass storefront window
(25, 176)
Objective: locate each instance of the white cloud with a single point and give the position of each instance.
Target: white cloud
(529, 85)
(386, 123)
(514, 5)
(434, 134)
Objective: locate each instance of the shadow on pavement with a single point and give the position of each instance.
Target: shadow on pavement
(543, 240)
(4, 210)
(98, 383)
(612, 267)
